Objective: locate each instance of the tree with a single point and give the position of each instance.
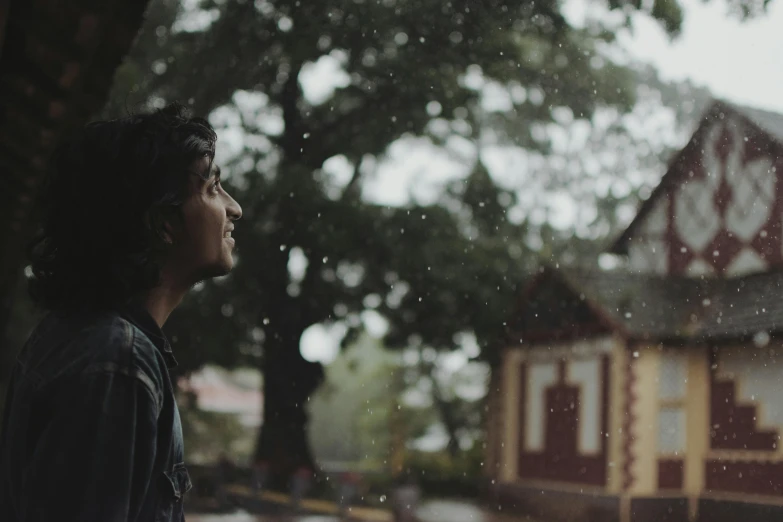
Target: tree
(402, 63)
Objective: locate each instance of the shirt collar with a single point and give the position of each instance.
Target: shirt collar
(140, 317)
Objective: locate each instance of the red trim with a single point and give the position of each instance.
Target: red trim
(734, 426)
(762, 144)
(629, 423)
(671, 473)
(560, 459)
(766, 243)
(673, 173)
(758, 478)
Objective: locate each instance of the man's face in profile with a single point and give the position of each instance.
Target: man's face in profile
(202, 242)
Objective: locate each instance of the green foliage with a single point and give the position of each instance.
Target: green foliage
(349, 414)
(441, 475)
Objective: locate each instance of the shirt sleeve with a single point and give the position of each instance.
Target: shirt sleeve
(95, 456)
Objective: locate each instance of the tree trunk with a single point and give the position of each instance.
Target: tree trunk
(289, 380)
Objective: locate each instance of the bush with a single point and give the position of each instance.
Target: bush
(440, 475)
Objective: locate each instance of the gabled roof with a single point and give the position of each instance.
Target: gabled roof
(744, 307)
(658, 308)
(769, 123)
(641, 306)
(551, 309)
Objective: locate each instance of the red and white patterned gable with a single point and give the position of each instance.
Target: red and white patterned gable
(722, 214)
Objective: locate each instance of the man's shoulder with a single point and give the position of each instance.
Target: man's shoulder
(99, 343)
(117, 342)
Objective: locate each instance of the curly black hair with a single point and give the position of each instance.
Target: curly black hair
(110, 187)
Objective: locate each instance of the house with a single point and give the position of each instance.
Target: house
(652, 393)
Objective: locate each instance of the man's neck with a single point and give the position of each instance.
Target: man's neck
(161, 301)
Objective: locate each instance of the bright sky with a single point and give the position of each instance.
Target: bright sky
(738, 61)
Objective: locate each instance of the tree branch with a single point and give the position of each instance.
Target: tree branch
(350, 188)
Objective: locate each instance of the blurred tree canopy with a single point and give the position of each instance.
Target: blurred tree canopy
(312, 247)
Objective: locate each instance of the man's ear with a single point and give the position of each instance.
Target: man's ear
(159, 222)
(165, 233)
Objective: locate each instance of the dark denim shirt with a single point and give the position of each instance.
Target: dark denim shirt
(91, 429)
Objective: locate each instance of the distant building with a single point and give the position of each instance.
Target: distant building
(654, 393)
(217, 391)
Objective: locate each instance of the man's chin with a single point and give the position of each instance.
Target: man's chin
(223, 269)
(216, 270)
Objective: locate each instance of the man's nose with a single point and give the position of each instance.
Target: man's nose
(234, 211)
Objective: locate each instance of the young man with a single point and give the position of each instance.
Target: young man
(134, 216)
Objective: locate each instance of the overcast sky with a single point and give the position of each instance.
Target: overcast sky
(738, 61)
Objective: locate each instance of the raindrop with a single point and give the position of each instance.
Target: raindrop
(761, 339)
(282, 247)
(266, 320)
(285, 24)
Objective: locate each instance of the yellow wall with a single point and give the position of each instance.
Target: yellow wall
(697, 422)
(644, 432)
(509, 447)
